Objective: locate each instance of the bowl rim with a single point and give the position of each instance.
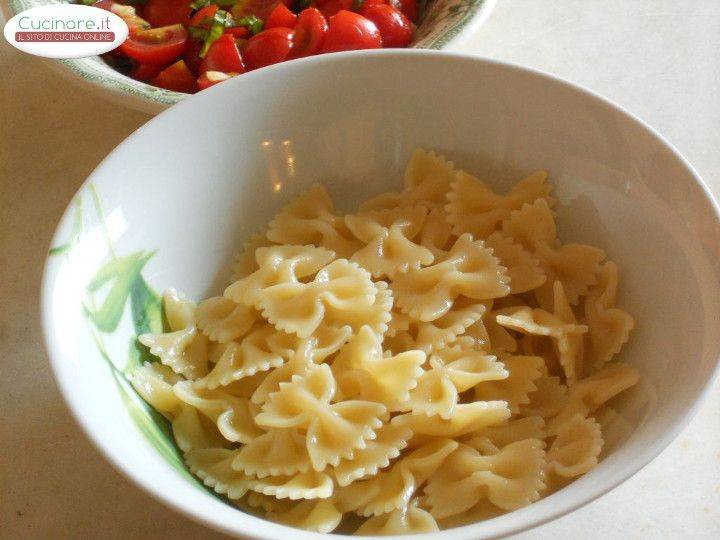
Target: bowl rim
(152, 99)
(466, 532)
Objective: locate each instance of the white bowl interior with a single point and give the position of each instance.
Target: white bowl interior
(197, 180)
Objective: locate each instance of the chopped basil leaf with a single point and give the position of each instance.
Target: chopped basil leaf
(357, 5)
(221, 20)
(252, 23)
(88, 2)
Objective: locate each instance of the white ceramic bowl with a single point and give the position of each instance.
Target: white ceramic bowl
(191, 185)
(445, 24)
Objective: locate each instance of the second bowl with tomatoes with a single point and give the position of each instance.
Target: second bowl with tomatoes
(179, 47)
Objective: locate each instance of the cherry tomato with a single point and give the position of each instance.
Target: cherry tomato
(349, 31)
(207, 79)
(260, 8)
(331, 7)
(157, 45)
(281, 16)
(268, 47)
(204, 16)
(310, 33)
(126, 13)
(192, 55)
(223, 55)
(410, 9)
(167, 12)
(395, 28)
(177, 77)
(146, 72)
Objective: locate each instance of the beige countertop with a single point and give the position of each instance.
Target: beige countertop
(658, 58)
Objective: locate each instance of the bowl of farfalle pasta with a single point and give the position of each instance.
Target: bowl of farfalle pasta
(463, 299)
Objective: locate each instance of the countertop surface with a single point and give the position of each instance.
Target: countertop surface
(658, 58)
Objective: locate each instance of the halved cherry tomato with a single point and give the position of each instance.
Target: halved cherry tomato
(260, 8)
(349, 31)
(177, 77)
(157, 45)
(192, 55)
(207, 79)
(281, 16)
(410, 9)
(167, 12)
(204, 14)
(395, 28)
(146, 72)
(310, 33)
(223, 55)
(126, 13)
(268, 47)
(331, 7)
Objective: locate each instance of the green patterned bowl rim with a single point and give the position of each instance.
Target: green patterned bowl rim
(445, 24)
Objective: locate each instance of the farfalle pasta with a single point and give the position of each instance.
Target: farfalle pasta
(435, 358)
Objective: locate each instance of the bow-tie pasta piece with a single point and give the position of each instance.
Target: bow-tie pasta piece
(575, 265)
(590, 393)
(435, 335)
(333, 431)
(392, 489)
(547, 400)
(376, 455)
(313, 515)
(300, 364)
(609, 327)
(515, 389)
(308, 485)
(410, 520)
(278, 264)
(268, 503)
(510, 479)
(387, 235)
(532, 225)
(233, 415)
(467, 418)
(426, 182)
(375, 315)
(615, 428)
(275, 453)
(154, 382)
(532, 427)
(470, 270)
(338, 289)
(492, 337)
(239, 360)
(223, 320)
(245, 262)
(523, 268)
(474, 208)
(311, 219)
(362, 372)
(576, 448)
(561, 326)
(436, 234)
(453, 371)
(214, 467)
(184, 348)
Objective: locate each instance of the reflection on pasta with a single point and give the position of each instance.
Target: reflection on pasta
(436, 358)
